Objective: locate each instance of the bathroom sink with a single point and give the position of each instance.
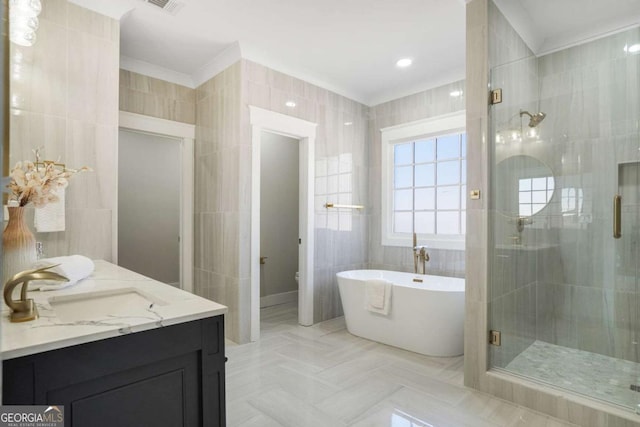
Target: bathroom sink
(104, 305)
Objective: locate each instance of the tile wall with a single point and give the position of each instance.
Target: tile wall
(56, 104)
(342, 162)
(423, 105)
(590, 94)
(157, 98)
(220, 265)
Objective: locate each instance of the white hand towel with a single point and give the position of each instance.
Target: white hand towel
(378, 296)
(51, 217)
(73, 267)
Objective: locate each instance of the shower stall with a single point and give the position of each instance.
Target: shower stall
(564, 302)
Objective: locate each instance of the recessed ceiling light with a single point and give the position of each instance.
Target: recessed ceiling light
(348, 123)
(290, 104)
(404, 62)
(634, 48)
(455, 93)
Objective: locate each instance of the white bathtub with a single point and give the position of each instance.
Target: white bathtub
(426, 317)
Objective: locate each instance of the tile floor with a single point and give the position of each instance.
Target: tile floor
(590, 374)
(323, 376)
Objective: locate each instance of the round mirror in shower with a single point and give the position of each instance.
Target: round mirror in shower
(523, 186)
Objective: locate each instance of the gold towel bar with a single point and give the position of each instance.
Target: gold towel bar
(332, 205)
(617, 216)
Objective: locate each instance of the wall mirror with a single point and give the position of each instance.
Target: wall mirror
(524, 186)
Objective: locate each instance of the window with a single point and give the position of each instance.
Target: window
(534, 194)
(424, 183)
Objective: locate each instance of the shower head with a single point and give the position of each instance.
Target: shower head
(534, 119)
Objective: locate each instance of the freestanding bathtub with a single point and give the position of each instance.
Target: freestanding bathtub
(426, 316)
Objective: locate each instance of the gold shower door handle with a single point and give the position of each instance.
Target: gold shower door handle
(263, 259)
(617, 216)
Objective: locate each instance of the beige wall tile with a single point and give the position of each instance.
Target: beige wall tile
(157, 98)
(59, 106)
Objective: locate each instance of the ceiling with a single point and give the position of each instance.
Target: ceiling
(348, 46)
(550, 25)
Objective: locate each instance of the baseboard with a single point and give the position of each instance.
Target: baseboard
(281, 298)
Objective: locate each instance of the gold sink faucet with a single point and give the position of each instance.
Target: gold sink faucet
(419, 254)
(24, 309)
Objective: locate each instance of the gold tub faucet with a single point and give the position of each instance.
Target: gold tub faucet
(419, 254)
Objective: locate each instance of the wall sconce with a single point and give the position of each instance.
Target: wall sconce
(23, 21)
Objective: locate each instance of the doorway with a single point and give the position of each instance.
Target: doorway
(279, 202)
(305, 132)
(149, 205)
(173, 142)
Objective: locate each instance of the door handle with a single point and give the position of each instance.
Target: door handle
(263, 259)
(617, 216)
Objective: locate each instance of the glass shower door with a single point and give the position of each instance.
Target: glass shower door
(564, 292)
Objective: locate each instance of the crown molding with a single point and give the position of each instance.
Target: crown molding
(219, 63)
(115, 9)
(156, 71)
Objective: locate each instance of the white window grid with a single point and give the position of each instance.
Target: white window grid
(435, 211)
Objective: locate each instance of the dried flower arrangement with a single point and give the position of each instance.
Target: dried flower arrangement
(37, 182)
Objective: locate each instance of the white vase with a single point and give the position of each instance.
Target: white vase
(18, 245)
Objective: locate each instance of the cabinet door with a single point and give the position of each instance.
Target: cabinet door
(171, 376)
(164, 394)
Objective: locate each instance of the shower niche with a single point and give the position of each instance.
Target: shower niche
(564, 251)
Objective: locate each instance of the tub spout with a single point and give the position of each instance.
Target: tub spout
(420, 255)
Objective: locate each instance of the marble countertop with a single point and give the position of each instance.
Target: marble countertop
(49, 332)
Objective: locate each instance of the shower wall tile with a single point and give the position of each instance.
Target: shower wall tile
(505, 44)
(587, 318)
(514, 315)
(56, 104)
(512, 267)
(157, 98)
(590, 94)
(422, 105)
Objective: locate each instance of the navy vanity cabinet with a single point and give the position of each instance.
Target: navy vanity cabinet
(165, 377)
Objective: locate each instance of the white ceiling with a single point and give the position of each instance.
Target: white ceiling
(348, 46)
(550, 25)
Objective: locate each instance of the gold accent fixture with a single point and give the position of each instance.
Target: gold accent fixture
(263, 259)
(617, 216)
(495, 96)
(49, 162)
(494, 338)
(474, 194)
(521, 222)
(418, 280)
(333, 205)
(419, 254)
(44, 163)
(25, 309)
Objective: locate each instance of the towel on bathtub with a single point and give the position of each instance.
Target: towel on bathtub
(378, 296)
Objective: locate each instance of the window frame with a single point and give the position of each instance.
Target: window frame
(408, 132)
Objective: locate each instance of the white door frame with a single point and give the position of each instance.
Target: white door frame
(186, 133)
(265, 120)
